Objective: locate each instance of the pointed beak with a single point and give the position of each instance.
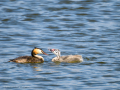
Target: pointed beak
(51, 50)
(44, 53)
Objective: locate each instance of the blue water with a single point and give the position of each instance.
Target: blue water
(86, 27)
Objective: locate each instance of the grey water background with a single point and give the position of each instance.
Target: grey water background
(90, 28)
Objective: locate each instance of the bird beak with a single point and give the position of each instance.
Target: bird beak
(44, 53)
(51, 50)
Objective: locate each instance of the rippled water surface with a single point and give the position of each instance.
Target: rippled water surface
(90, 28)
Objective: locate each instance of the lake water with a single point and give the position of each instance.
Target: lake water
(90, 28)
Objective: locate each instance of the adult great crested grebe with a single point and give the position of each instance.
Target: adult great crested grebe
(68, 58)
(34, 58)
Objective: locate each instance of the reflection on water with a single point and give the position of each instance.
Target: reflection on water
(84, 27)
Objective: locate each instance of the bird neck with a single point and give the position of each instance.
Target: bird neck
(32, 54)
(38, 56)
(58, 55)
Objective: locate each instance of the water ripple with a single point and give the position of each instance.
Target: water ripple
(86, 27)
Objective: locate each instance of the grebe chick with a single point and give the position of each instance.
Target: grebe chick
(68, 58)
(34, 58)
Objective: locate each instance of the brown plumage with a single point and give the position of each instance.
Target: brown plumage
(34, 58)
(68, 58)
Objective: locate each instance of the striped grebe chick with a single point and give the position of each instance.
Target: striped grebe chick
(68, 58)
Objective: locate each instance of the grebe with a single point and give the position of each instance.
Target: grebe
(34, 58)
(68, 58)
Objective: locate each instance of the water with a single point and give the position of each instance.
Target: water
(87, 27)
